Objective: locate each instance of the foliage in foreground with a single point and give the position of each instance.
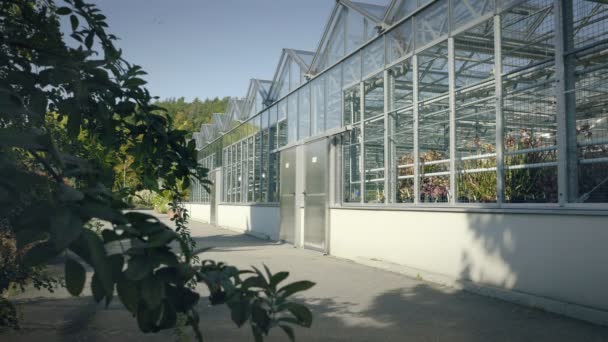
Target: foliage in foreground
(63, 110)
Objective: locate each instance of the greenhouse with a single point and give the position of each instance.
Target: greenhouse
(462, 140)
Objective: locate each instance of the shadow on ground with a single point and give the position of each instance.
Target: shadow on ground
(421, 313)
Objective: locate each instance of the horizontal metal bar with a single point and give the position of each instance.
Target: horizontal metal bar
(593, 160)
(485, 169)
(530, 166)
(479, 156)
(530, 150)
(431, 174)
(435, 162)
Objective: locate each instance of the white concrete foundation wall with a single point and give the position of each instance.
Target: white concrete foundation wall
(260, 221)
(557, 262)
(199, 212)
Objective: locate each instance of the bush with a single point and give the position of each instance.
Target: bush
(142, 199)
(160, 202)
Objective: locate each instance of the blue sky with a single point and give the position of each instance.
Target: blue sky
(208, 48)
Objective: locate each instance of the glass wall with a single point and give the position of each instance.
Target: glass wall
(464, 103)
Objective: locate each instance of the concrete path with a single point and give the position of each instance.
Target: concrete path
(350, 302)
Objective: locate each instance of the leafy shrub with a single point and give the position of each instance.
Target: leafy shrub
(160, 202)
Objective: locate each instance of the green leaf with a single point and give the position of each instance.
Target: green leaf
(147, 318)
(75, 276)
(152, 291)
(90, 247)
(74, 22)
(101, 211)
(65, 228)
(257, 334)
(301, 312)
(97, 288)
(277, 278)
(88, 41)
(29, 140)
(128, 294)
(29, 235)
(39, 254)
(69, 194)
(63, 11)
(138, 268)
(292, 288)
(169, 316)
(289, 331)
(260, 317)
(240, 309)
(161, 238)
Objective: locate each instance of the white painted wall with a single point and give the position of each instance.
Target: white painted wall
(552, 261)
(261, 221)
(198, 212)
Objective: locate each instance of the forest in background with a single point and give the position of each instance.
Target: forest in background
(189, 116)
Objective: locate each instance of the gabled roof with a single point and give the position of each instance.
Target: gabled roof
(398, 9)
(257, 97)
(236, 109)
(290, 59)
(340, 38)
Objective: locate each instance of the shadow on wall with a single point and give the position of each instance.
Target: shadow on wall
(552, 256)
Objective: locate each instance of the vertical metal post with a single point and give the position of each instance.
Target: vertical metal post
(500, 162)
(415, 114)
(388, 169)
(561, 86)
(243, 155)
(452, 120)
(361, 143)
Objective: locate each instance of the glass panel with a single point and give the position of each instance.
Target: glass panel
(318, 104)
(433, 71)
(352, 69)
(351, 171)
(284, 82)
(273, 171)
(352, 105)
(374, 96)
(530, 126)
(591, 98)
(402, 139)
(373, 56)
(476, 145)
(355, 29)
(401, 85)
(527, 34)
(264, 167)
(292, 118)
(590, 22)
(304, 112)
(474, 55)
(400, 41)
(250, 170)
(405, 8)
(334, 98)
(282, 125)
(432, 23)
(295, 77)
(258, 169)
(374, 161)
(239, 172)
(465, 11)
(434, 150)
(334, 49)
